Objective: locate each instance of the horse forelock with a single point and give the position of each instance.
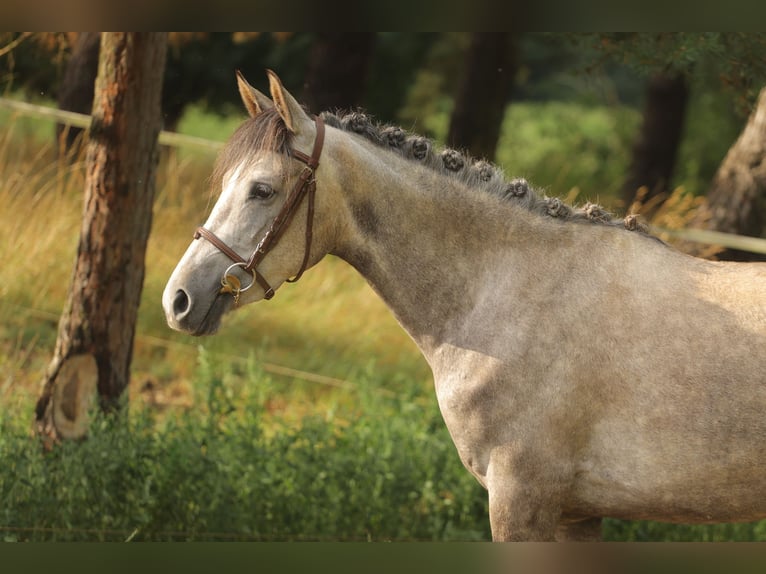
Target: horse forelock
(475, 174)
(266, 132)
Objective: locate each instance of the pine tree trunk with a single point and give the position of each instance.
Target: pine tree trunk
(656, 148)
(737, 194)
(489, 70)
(95, 339)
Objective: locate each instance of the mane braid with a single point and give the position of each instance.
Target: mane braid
(476, 174)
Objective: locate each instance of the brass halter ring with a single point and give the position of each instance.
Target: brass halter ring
(231, 283)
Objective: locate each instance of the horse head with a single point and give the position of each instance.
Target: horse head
(260, 232)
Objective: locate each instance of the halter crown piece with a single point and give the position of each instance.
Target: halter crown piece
(305, 186)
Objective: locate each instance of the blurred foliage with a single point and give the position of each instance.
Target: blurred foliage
(200, 65)
(232, 470)
(553, 65)
(650, 531)
(35, 63)
(737, 57)
(390, 81)
(569, 149)
(413, 76)
(714, 121)
(430, 92)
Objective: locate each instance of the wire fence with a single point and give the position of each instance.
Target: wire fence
(173, 139)
(83, 121)
(268, 367)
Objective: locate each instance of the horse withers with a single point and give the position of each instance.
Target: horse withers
(583, 368)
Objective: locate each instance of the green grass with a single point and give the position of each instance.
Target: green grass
(234, 468)
(23, 127)
(198, 121)
(222, 440)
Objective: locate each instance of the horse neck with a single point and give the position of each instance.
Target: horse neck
(424, 242)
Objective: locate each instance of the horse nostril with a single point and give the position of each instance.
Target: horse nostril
(180, 303)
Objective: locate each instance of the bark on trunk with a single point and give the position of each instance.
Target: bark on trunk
(737, 194)
(656, 148)
(489, 70)
(95, 339)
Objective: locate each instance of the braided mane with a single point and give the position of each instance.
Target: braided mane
(477, 174)
(268, 131)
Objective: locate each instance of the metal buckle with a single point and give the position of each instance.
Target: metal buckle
(311, 177)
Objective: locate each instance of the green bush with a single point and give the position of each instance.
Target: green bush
(649, 531)
(575, 150)
(231, 471)
(569, 149)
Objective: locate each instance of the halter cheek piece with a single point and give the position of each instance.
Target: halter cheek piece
(306, 185)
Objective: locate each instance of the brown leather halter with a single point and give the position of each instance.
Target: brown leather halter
(306, 185)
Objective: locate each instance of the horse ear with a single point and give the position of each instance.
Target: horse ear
(289, 109)
(254, 101)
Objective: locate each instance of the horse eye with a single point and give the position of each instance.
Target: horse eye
(260, 191)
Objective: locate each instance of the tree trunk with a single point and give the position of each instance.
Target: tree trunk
(337, 70)
(95, 338)
(489, 71)
(76, 93)
(656, 148)
(737, 194)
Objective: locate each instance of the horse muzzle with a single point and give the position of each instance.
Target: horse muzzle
(194, 315)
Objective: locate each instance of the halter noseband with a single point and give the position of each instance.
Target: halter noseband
(306, 185)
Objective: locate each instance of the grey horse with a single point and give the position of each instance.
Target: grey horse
(583, 369)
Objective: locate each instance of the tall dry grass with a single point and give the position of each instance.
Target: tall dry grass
(319, 334)
(675, 211)
(40, 224)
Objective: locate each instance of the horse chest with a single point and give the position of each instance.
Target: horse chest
(477, 405)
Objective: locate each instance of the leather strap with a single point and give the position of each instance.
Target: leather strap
(268, 292)
(306, 185)
(213, 238)
(309, 231)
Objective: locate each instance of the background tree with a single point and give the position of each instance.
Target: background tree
(656, 146)
(396, 59)
(95, 338)
(337, 71)
(488, 73)
(430, 90)
(737, 194)
(675, 64)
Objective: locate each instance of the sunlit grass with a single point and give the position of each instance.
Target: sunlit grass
(330, 324)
